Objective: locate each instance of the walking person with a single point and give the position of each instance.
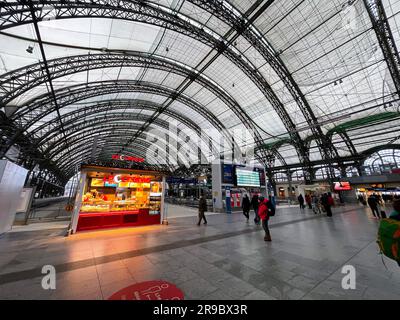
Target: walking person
(373, 204)
(380, 206)
(264, 213)
(395, 215)
(308, 200)
(246, 205)
(315, 204)
(301, 201)
(326, 202)
(254, 204)
(202, 209)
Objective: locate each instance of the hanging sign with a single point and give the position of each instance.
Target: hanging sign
(120, 178)
(127, 158)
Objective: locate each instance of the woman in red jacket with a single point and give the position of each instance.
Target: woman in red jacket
(263, 213)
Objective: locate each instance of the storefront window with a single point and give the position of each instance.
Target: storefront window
(116, 193)
(382, 162)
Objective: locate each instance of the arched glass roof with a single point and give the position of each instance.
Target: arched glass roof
(313, 81)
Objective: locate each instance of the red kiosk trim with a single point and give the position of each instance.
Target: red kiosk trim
(87, 220)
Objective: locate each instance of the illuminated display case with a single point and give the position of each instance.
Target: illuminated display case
(104, 196)
(119, 197)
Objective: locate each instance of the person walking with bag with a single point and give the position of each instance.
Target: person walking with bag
(246, 205)
(255, 204)
(300, 198)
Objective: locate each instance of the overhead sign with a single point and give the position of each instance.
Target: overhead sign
(149, 290)
(120, 178)
(247, 178)
(227, 173)
(127, 158)
(342, 186)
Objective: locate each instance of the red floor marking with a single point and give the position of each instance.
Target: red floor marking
(149, 290)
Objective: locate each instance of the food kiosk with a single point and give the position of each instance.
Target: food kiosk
(112, 198)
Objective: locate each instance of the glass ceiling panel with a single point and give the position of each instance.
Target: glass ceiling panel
(289, 153)
(178, 47)
(315, 154)
(242, 5)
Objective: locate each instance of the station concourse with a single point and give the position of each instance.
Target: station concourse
(199, 150)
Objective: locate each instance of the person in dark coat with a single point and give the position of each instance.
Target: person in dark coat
(246, 205)
(254, 204)
(202, 209)
(308, 201)
(373, 204)
(300, 198)
(327, 202)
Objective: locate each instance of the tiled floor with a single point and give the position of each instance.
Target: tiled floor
(227, 259)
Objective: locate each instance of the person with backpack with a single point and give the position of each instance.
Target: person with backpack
(389, 234)
(255, 204)
(246, 205)
(265, 211)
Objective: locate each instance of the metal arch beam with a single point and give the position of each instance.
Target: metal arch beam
(79, 141)
(161, 16)
(112, 129)
(112, 105)
(180, 156)
(29, 156)
(106, 106)
(42, 106)
(385, 37)
(89, 132)
(70, 65)
(371, 151)
(86, 133)
(255, 38)
(36, 109)
(69, 167)
(349, 143)
(74, 126)
(81, 151)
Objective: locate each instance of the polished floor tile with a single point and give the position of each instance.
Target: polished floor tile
(227, 259)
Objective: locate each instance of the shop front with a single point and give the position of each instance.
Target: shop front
(112, 198)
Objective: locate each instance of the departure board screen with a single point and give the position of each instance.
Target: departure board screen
(247, 178)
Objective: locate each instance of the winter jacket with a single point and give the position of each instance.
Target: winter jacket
(254, 202)
(202, 205)
(263, 210)
(246, 204)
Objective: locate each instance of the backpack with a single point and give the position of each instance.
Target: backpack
(389, 239)
(271, 209)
